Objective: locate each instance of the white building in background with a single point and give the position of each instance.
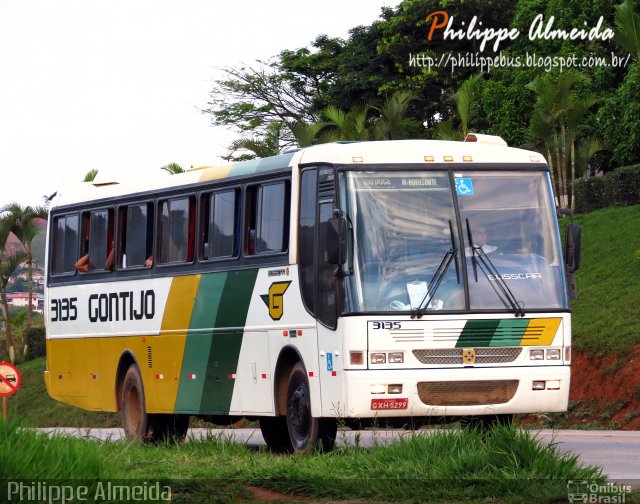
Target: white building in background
(21, 299)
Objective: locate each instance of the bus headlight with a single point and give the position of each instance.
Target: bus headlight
(553, 354)
(378, 358)
(396, 358)
(536, 354)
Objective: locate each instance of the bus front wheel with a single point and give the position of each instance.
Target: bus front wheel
(305, 431)
(141, 426)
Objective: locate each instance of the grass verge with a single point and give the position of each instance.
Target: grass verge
(506, 465)
(605, 315)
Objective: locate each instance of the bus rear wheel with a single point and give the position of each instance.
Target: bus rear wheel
(141, 426)
(305, 431)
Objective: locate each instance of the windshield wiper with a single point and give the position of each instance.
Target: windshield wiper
(488, 268)
(438, 276)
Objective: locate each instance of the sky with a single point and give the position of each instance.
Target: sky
(118, 85)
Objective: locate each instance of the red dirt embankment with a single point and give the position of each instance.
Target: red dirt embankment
(606, 390)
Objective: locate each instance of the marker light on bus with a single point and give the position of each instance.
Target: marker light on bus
(553, 384)
(567, 354)
(396, 358)
(378, 389)
(378, 358)
(356, 358)
(536, 354)
(549, 385)
(553, 354)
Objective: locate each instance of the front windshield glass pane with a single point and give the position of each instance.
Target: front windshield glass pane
(510, 218)
(401, 228)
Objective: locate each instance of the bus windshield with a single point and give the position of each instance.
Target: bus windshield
(411, 253)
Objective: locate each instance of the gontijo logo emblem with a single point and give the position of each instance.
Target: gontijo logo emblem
(274, 300)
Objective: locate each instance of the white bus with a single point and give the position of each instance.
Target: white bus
(400, 281)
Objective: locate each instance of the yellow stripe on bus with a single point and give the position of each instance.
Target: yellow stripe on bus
(163, 378)
(215, 173)
(540, 332)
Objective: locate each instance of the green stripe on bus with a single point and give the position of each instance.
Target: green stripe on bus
(509, 332)
(198, 344)
(225, 348)
(477, 333)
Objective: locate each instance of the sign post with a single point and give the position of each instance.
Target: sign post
(9, 384)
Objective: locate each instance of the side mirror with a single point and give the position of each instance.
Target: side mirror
(572, 246)
(336, 245)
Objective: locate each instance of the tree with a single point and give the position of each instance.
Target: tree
(394, 121)
(628, 28)
(9, 261)
(173, 168)
(253, 147)
(90, 176)
(558, 115)
(466, 108)
(25, 223)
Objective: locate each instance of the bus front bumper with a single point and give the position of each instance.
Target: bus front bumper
(456, 392)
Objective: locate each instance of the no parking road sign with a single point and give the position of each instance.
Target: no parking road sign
(9, 379)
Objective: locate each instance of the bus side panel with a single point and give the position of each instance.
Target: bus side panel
(276, 319)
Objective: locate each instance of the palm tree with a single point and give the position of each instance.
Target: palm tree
(254, 147)
(90, 176)
(9, 261)
(340, 125)
(555, 122)
(173, 168)
(628, 28)
(23, 222)
(393, 121)
(466, 105)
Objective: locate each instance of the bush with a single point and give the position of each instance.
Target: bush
(592, 193)
(625, 185)
(37, 342)
(619, 187)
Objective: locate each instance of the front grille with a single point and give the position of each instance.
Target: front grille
(484, 355)
(467, 393)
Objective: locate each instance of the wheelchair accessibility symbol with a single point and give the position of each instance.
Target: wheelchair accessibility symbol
(464, 187)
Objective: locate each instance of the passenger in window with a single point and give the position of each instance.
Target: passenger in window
(149, 262)
(108, 265)
(84, 264)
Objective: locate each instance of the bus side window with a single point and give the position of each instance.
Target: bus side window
(135, 236)
(176, 238)
(65, 244)
(267, 225)
(96, 252)
(220, 225)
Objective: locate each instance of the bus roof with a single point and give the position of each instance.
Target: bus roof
(427, 152)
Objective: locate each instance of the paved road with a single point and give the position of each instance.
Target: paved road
(618, 452)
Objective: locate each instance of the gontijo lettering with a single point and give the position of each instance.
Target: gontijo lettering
(122, 306)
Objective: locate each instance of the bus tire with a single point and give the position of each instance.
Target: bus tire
(134, 415)
(140, 426)
(306, 432)
(275, 433)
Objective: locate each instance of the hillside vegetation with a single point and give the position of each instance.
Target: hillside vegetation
(606, 317)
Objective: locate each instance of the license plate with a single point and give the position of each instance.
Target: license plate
(389, 404)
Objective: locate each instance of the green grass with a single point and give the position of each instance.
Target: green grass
(37, 409)
(506, 465)
(606, 317)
